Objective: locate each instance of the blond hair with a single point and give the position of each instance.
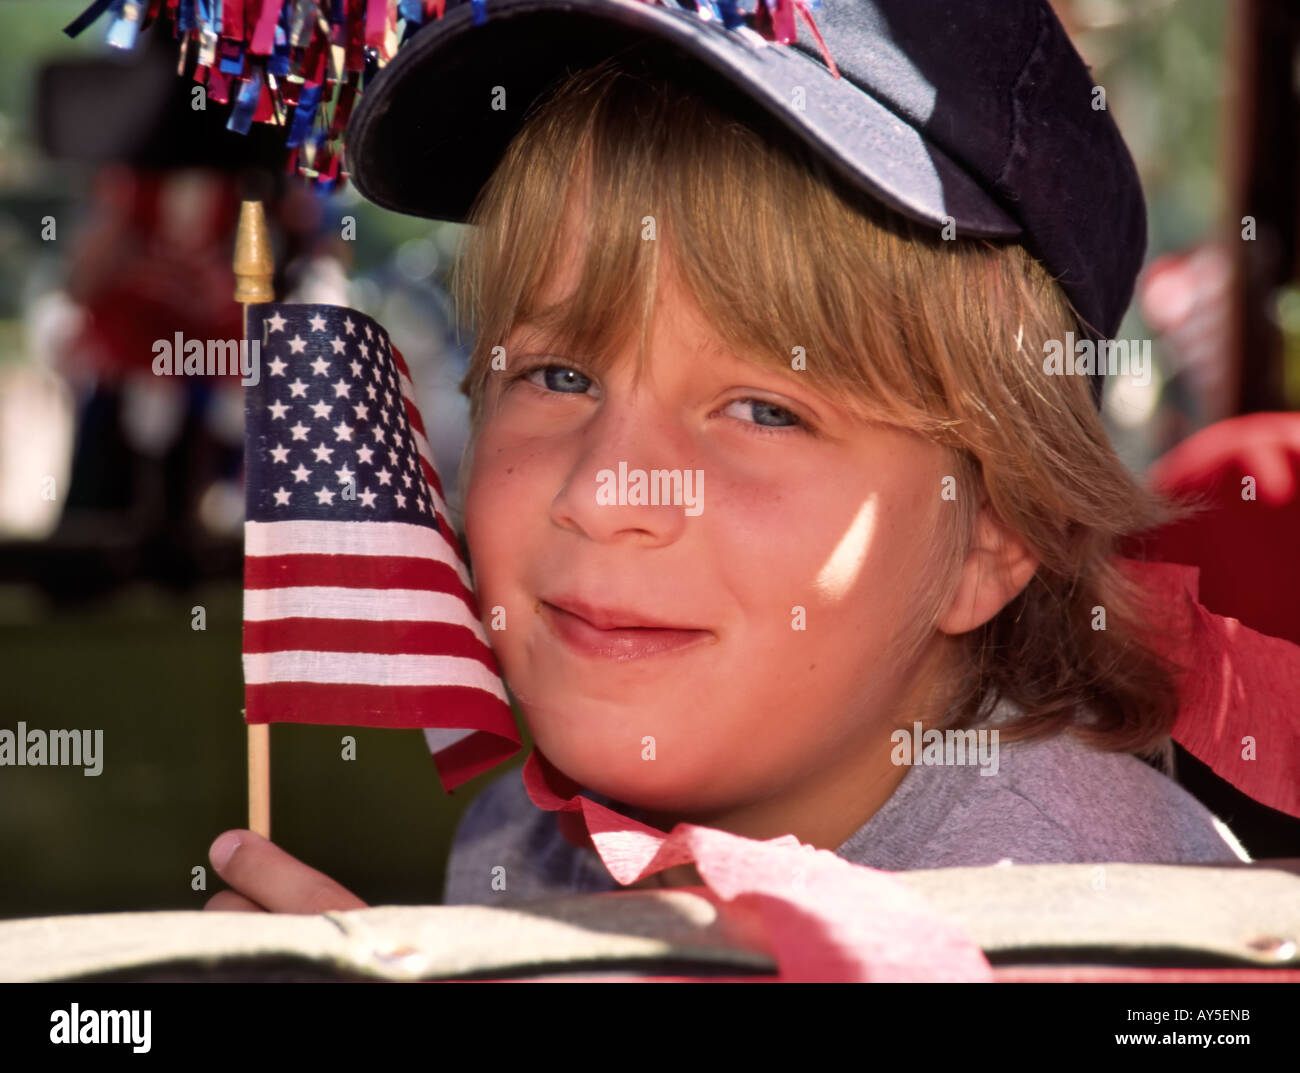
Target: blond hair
(944, 338)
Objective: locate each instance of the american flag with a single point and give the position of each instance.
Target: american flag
(358, 606)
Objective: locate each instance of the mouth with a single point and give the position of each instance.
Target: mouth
(621, 641)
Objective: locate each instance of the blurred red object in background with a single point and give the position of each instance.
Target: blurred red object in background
(1245, 471)
(153, 260)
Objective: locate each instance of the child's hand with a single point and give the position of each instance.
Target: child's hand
(268, 879)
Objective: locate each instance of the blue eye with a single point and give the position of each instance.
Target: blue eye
(762, 406)
(556, 378)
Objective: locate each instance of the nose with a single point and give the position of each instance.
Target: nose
(632, 479)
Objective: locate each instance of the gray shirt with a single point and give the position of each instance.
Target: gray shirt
(1055, 800)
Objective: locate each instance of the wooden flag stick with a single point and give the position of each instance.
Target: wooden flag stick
(254, 266)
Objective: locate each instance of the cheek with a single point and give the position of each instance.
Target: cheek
(496, 491)
(854, 555)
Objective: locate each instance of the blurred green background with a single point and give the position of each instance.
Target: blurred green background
(168, 700)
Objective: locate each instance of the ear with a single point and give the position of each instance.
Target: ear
(995, 572)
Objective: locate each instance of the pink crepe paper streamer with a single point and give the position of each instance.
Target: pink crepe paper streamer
(1237, 684)
(821, 917)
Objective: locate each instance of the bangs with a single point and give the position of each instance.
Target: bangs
(794, 272)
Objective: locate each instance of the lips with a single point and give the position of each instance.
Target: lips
(609, 618)
(619, 642)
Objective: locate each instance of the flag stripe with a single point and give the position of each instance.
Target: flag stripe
(333, 635)
(358, 605)
(420, 437)
(369, 668)
(402, 368)
(354, 571)
(344, 704)
(311, 537)
(412, 409)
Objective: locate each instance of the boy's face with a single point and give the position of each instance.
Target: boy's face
(799, 562)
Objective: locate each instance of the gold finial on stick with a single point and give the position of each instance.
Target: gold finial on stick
(254, 262)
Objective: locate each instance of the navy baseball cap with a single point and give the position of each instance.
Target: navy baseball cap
(981, 116)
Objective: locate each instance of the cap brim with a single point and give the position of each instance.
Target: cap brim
(424, 138)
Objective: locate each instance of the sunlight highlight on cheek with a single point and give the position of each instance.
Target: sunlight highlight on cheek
(844, 564)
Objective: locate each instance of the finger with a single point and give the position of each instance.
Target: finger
(263, 872)
(229, 901)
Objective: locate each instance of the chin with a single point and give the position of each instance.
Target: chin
(649, 784)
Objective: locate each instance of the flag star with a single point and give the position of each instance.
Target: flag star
(374, 371)
(320, 366)
(344, 475)
(384, 476)
(392, 457)
(282, 497)
(361, 410)
(343, 431)
(368, 331)
(277, 410)
(368, 498)
(388, 397)
(363, 454)
(349, 326)
(337, 344)
(370, 390)
(276, 322)
(277, 366)
(397, 438)
(280, 454)
(401, 499)
(355, 367)
(383, 415)
(297, 345)
(341, 389)
(317, 323)
(422, 506)
(322, 453)
(320, 409)
(378, 434)
(299, 431)
(325, 497)
(297, 390)
(365, 350)
(300, 474)
(406, 479)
